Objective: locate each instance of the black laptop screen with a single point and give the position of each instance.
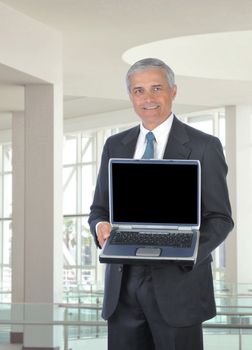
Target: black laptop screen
(155, 192)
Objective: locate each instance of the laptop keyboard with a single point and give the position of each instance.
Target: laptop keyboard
(178, 240)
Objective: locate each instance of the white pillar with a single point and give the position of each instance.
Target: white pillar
(239, 149)
(42, 212)
(231, 241)
(17, 225)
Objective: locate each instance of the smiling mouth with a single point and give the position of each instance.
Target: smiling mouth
(149, 108)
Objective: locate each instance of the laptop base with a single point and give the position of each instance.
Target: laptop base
(146, 261)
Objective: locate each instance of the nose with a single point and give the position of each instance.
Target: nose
(148, 95)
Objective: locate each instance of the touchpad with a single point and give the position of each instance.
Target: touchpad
(148, 252)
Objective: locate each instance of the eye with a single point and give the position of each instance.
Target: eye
(157, 88)
(138, 91)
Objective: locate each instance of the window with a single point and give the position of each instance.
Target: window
(5, 219)
(79, 175)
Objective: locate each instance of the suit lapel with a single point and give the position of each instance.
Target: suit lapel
(129, 142)
(176, 147)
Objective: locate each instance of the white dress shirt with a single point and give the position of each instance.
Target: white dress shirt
(161, 134)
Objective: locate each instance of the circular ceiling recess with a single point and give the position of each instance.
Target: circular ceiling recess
(225, 56)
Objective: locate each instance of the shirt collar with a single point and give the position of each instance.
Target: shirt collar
(160, 130)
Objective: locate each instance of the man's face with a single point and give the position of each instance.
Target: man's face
(151, 96)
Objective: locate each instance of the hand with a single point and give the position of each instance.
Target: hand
(103, 230)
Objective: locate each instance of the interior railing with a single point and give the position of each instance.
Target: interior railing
(76, 323)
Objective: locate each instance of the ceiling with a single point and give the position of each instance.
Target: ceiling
(207, 43)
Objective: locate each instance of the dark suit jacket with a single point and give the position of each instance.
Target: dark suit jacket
(185, 297)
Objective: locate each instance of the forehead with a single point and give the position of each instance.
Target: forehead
(151, 76)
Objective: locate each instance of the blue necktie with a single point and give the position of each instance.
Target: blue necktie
(149, 150)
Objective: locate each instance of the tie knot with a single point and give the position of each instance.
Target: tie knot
(150, 136)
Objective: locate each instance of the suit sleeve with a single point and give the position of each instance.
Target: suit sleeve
(216, 220)
(99, 210)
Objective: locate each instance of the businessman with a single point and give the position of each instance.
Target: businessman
(162, 307)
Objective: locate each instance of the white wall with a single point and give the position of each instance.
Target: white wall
(29, 46)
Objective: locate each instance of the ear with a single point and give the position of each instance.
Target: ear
(174, 91)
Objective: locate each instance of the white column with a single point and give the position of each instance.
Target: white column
(231, 241)
(42, 212)
(17, 225)
(240, 144)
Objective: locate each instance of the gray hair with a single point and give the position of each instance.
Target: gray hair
(150, 63)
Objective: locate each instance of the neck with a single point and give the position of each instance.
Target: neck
(152, 125)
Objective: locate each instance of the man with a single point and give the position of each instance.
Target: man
(162, 307)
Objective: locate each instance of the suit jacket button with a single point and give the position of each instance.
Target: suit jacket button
(120, 268)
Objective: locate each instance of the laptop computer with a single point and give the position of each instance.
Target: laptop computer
(154, 211)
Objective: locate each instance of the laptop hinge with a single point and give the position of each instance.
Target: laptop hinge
(185, 228)
(123, 227)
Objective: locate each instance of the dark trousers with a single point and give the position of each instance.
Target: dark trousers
(137, 323)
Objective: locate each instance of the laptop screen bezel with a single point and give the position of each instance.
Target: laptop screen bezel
(148, 224)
